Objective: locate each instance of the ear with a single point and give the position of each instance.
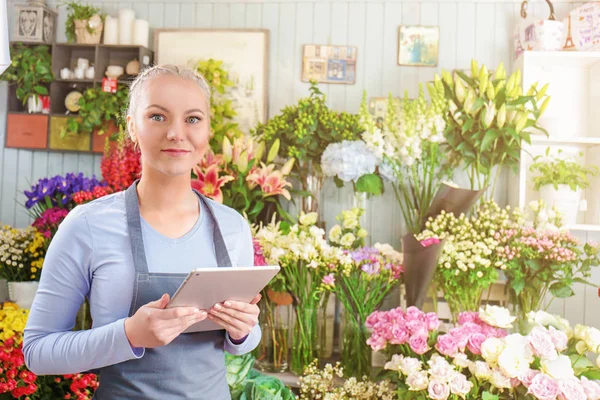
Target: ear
(131, 128)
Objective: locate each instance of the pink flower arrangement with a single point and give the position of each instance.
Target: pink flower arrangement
(48, 222)
(259, 256)
(469, 335)
(271, 182)
(430, 241)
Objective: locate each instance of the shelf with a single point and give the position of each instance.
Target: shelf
(583, 228)
(580, 59)
(580, 141)
(74, 80)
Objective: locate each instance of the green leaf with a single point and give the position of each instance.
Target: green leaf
(533, 265)
(468, 125)
(489, 138)
(338, 182)
(561, 290)
(592, 374)
(518, 285)
(489, 396)
(521, 100)
(370, 183)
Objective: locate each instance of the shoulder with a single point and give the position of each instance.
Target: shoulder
(226, 215)
(102, 211)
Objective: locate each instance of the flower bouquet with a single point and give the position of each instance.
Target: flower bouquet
(361, 290)
(469, 262)
(348, 234)
(22, 254)
(308, 267)
(120, 164)
(240, 179)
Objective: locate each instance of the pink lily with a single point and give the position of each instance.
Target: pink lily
(271, 182)
(209, 183)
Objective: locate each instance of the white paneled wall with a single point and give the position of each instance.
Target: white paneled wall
(469, 29)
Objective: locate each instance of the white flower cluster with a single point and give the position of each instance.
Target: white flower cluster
(440, 380)
(542, 218)
(348, 160)
(304, 242)
(348, 233)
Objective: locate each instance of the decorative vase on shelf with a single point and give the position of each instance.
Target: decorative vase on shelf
(88, 31)
(566, 201)
(22, 293)
(34, 104)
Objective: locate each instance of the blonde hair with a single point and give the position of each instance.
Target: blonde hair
(161, 70)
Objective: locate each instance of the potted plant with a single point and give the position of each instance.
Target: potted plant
(84, 23)
(31, 71)
(560, 182)
(487, 120)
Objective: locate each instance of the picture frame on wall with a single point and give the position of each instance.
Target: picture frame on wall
(244, 52)
(418, 45)
(329, 64)
(378, 106)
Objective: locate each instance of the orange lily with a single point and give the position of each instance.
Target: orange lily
(271, 182)
(209, 183)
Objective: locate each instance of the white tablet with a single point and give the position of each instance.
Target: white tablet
(204, 287)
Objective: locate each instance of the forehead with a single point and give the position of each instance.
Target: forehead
(172, 91)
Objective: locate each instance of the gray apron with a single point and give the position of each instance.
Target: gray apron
(190, 367)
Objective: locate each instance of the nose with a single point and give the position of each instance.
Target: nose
(176, 131)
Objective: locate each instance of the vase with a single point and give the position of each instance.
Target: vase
(88, 31)
(355, 352)
(22, 293)
(529, 299)
(566, 201)
(468, 301)
(272, 354)
(310, 334)
(34, 104)
(311, 180)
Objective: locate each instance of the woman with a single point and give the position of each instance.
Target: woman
(128, 251)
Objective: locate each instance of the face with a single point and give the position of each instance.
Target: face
(171, 125)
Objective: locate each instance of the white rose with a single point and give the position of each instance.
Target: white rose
(519, 344)
(394, 363)
(592, 338)
(512, 363)
(559, 368)
(459, 384)
(534, 205)
(481, 370)
(499, 380)
(491, 349)
(362, 233)
(410, 365)
(581, 347)
(316, 231)
(580, 331)
(496, 316)
(347, 240)
(461, 360)
(308, 219)
(417, 381)
(541, 318)
(334, 233)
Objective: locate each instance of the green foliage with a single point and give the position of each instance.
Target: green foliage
(305, 129)
(222, 111)
(97, 109)
(489, 118)
(30, 70)
(559, 171)
(75, 11)
(248, 384)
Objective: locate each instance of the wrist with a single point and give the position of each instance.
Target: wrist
(129, 333)
(237, 341)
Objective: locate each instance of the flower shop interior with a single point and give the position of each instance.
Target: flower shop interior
(425, 173)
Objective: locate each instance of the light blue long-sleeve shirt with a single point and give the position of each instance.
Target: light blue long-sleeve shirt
(90, 255)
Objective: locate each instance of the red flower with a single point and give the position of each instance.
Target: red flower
(209, 183)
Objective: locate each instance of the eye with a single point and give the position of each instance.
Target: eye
(157, 117)
(194, 120)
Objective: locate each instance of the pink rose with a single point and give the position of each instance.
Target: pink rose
(527, 378)
(413, 312)
(418, 344)
(399, 335)
(570, 389)
(446, 344)
(433, 322)
(461, 337)
(468, 316)
(542, 344)
(430, 241)
(475, 342)
(377, 342)
(543, 387)
(591, 388)
(373, 318)
(514, 382)
(417, 327)
(559, 338)
(438, 390)
(471, 327)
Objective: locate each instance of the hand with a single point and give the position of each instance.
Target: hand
(153, 326)
(237, 317)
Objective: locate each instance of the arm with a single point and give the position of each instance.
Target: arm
(50, 346)
(245, 258)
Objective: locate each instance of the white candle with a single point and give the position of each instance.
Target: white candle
(141, 31)
(111, 30)
(126, 17)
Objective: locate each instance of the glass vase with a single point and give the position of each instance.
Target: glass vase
(311, 180)
(272, 354)
(356, 353)
(468, 301)
(529, 299)
(310, 334)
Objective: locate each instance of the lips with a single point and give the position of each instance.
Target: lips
(175, 152)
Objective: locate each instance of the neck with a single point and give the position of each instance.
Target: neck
(158, 192)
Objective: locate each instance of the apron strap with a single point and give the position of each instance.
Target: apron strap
(134, 225)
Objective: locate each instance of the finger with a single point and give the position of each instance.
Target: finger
(232, 329)
(231, 320)
(239, 306)
(179, 313)
(247, 317)
(175, 327)
(256, 299)
(160, 303)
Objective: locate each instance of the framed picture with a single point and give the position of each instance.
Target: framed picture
(378, 107)
(329, 64)
(245, 52)
(418, 45)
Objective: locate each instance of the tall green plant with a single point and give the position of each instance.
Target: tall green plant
(30, 70)
(97, 109)
(489, 118)
(222, 111)
(75, 11)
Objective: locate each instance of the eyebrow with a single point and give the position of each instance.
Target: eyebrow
(187, 112)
